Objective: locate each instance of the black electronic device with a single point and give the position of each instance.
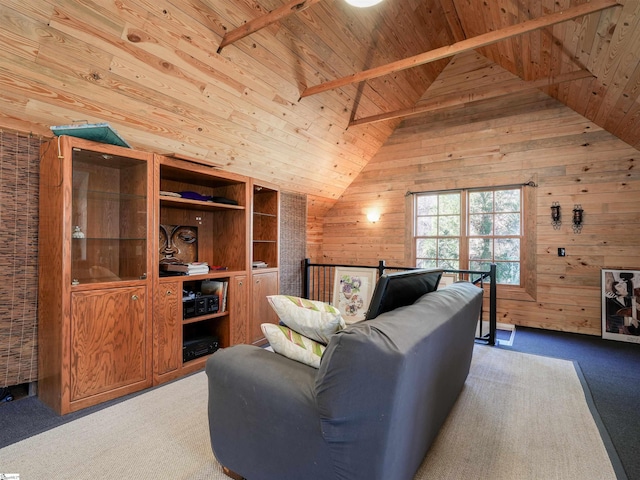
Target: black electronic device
(199, 347)
(200, 305)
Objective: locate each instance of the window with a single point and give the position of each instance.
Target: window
(469, 229)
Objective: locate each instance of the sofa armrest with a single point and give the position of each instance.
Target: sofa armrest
(263, 419)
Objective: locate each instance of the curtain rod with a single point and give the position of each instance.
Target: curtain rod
(530, 183)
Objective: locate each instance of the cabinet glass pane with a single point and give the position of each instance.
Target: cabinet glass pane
(108, 218)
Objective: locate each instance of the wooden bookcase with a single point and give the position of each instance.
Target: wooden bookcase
(109, 322)
(221, 228)
(94, 293)
(265, 251)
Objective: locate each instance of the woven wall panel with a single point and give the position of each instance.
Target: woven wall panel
(19, 185)
(293, 239)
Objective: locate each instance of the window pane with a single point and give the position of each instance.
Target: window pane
(508, 272)
(449, 248)
(449, 264)
(507, 223)
(425, 263)
(479, 266)
(507, 249)
(480, 202)
(449, 204)
(449, 226)
(492, 226)
(426, 226)
(427, 205)
(426, 248)
(508, 201)
(480, 249)
(480, 224)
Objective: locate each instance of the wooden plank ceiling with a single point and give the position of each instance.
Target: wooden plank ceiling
(155, 71)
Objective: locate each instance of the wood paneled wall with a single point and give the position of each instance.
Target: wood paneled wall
(513, 139)
(317, 210)
(19, 181)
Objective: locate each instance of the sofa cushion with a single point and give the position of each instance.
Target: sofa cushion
(313, 319)
(293, 345)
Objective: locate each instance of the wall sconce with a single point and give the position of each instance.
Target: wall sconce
(577, 218)
(555, 216)
(373, 216)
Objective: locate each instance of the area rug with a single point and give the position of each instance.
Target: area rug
(519, 416)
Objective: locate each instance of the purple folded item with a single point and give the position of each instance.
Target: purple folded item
(206, 198)
(195, 196)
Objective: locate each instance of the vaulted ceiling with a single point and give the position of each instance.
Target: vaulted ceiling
(154, 70)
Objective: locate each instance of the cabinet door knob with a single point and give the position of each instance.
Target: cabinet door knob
(169, 292)
(134, 297)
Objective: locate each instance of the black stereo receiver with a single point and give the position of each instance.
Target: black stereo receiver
(199, 347)
(200, 305)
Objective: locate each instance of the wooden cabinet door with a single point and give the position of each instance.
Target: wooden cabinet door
(239, 309)
(167, 325)
(108, 340)
(263, 284)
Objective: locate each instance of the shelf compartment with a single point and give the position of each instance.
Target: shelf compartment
(214, 327)
(204, 317)
(186, 203)
(103, 260)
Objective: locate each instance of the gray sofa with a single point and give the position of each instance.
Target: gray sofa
(372, 409)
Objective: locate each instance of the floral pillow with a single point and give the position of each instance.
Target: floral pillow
(313, 319)
(292, 345)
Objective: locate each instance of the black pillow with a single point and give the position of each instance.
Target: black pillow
(398, 289)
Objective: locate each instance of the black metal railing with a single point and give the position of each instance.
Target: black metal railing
(318, 283)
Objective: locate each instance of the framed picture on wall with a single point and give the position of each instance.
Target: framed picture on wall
(447, 279)
(620, 299)
(352, 291)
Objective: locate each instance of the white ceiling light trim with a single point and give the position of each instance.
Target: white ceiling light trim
(363, 3)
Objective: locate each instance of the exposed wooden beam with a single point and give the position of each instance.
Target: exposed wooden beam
(256, 24)
(496, 90)
(465, 45)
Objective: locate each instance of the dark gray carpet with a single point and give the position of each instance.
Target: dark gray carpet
(611, 370)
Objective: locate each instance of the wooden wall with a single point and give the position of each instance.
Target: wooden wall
(511, 139)
(317, 210)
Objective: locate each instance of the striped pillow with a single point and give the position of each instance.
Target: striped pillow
(292, 345)
(313, 319)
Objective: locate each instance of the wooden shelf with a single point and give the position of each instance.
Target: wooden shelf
(189, 204)
(201, 318)
(265, 248)
(221, 238)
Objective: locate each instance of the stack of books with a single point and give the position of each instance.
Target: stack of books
(260, 264)
(195, 268)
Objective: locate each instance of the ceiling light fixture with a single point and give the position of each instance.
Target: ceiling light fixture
(363, 3)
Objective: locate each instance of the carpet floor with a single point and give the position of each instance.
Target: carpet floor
(519, 416)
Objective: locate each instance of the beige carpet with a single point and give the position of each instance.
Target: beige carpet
(519, 417)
